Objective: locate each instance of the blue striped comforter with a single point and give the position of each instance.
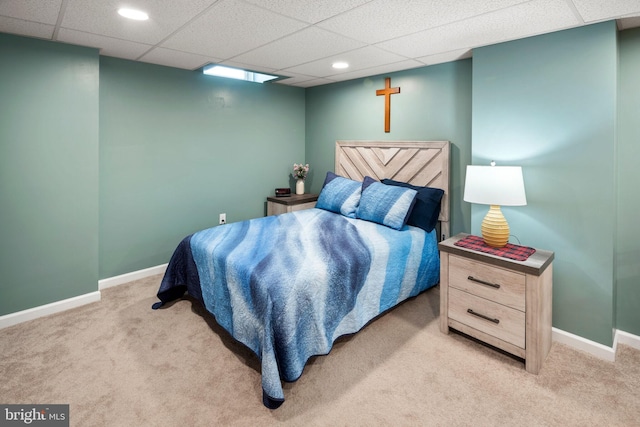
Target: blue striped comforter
(288, 286)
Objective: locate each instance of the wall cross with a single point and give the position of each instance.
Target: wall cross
(387, 92)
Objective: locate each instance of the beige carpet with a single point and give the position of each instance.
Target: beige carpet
(119, 363)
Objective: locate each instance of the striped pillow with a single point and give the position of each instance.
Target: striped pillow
(340, 195)
(385, 204)
(426, 211)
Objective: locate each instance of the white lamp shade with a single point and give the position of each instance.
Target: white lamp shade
(495, 185)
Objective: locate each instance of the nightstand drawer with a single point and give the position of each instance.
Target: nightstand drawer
(303, 206)
(292, 203)
(487, 316)
(489, 282)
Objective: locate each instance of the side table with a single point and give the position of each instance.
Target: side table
(500, 301)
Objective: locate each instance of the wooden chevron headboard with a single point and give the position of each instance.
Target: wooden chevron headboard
(423, 163)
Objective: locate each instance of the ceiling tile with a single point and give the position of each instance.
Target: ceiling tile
(248, 67)
(382, 69)
(311, 11)
(26, 28)
(382, 19)
(233, 23)
(314, 82)
(304, 46)
(293, 78)
(528, 19)
(439, 58)
(45, 12)
(366, 57)
(598, 10)
(177, 59)
(108, 46)
(101, 17)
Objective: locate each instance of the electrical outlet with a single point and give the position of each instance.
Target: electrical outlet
(223, 218)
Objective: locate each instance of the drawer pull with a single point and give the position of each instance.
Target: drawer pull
(496, 321)
(482, 282)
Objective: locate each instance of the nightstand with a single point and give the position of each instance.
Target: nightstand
(500, 301)
(294, 202)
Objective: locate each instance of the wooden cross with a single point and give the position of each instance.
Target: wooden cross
(387, 92)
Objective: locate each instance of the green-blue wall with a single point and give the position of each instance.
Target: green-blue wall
(177, 148)
(48, 172)
(106, 163)
(434, 103)
(548, 103)
(628, 228)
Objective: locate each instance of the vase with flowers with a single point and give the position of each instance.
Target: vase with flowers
(300, 172)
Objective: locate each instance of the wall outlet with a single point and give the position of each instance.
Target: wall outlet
(223, 218)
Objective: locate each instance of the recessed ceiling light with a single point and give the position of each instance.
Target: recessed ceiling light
(138, 15)
(237, 73)
(340, 65)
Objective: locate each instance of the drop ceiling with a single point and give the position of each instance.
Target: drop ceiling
(300, 39)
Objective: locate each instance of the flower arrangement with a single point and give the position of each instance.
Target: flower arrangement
(300, 171)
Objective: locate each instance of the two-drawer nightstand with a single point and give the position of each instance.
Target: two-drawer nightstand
(500, 301)
(294, 202)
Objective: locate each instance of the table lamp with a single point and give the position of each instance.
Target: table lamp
(495, 186)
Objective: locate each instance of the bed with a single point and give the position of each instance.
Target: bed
(287, 286)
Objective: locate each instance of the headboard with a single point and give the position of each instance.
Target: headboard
(423, 163)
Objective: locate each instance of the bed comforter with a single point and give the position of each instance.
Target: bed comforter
(288, 286)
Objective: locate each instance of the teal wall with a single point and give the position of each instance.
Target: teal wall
(433, 104)
(548, 103)
(628, 230)
(105, 163)
(177, 148)
(48, 172)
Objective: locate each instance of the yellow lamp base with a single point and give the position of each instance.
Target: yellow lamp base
(495, 229)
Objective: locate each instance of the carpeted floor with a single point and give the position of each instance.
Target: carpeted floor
(119, 363)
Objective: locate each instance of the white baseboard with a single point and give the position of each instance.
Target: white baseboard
(130, 277)
(627, 339)
(596, 349)
(47, 309)
(67, 304)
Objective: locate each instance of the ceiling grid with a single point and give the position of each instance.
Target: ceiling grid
(300, 39)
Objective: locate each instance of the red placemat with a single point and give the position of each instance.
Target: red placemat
(476, 243)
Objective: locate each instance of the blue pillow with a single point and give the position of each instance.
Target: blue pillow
(385, 204)
(340, 195)
(427, 208)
